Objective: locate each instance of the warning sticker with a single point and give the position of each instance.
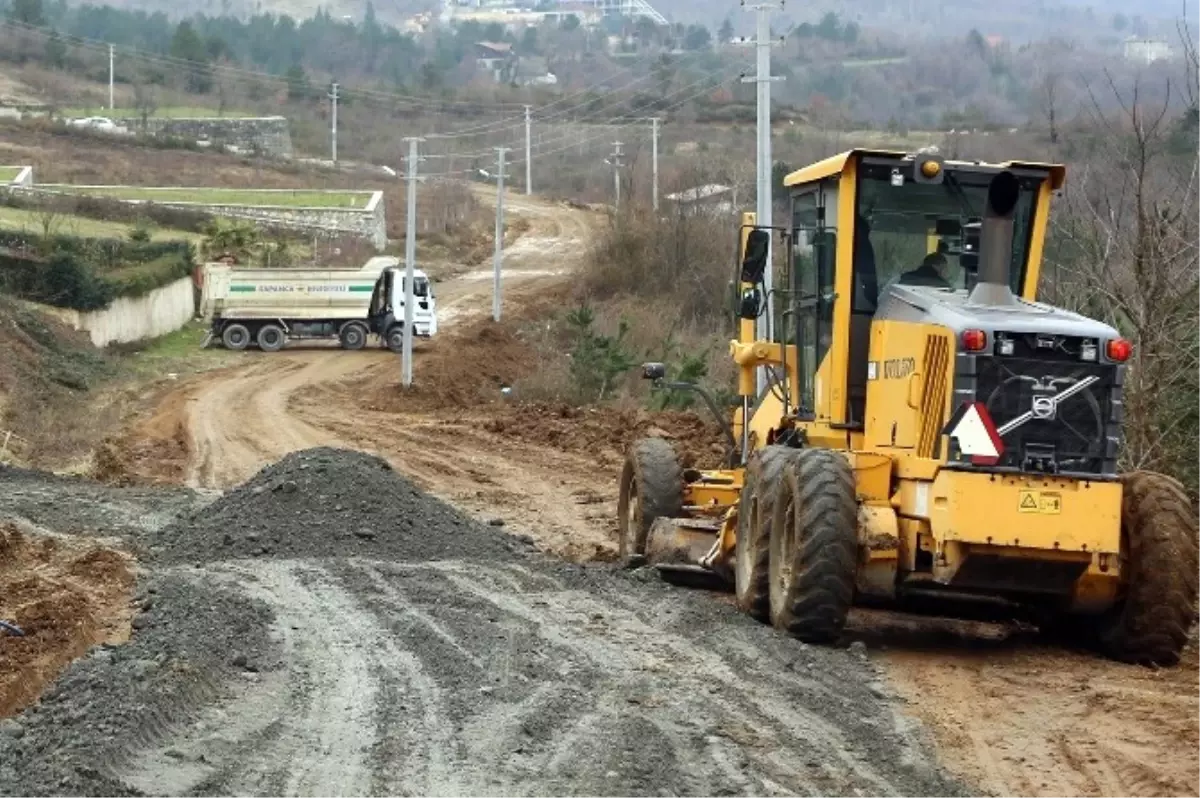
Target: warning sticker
(1040, 501)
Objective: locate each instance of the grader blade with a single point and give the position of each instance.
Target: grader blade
(675, 546)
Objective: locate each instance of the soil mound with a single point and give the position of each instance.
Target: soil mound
(327, 502)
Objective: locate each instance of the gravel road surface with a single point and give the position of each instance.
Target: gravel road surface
(326, 628)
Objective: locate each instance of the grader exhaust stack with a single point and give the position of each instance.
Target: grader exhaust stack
(995, 243)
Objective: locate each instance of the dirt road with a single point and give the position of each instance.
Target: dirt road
(231, 423)
(1018, 716)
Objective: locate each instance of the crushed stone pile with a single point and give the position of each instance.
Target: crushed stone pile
(328, 502)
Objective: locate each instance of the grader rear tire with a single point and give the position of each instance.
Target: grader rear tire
(814, 546)
(756, 510)
(1159, 562)
(651, 487)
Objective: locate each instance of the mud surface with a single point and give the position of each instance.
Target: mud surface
(443, 657)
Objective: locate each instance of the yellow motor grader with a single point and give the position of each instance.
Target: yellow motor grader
(928, 431)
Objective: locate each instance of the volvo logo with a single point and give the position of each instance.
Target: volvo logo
(1045, 408)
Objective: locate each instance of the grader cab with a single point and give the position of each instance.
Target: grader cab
(928, 431)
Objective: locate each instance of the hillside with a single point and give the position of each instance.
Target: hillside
(1023, 19)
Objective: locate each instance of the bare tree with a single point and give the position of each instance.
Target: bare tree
(1125, 250)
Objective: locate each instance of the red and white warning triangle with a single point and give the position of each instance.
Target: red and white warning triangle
(972, 427)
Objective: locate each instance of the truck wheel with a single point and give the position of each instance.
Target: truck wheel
(353, 336)
(271, 338)
(814, 546)
(395, 339)
(651, 487)
(1159, 562)
(236, 337)
(756, 506)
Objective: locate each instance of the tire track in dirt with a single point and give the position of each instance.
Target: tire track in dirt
(1019, 717)
(306, 731)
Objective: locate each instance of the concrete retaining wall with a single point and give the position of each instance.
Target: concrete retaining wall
(24, 178)
(163, 310)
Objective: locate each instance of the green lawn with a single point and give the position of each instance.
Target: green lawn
(9, 173)
(81, 226)
(224, 196)
(182, 112)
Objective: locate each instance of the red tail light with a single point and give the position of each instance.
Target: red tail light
(974, 340)
(1118, 349)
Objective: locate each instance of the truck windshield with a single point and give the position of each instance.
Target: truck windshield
(907, 223)
(420, 286)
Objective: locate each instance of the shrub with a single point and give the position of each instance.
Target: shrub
(596, 360)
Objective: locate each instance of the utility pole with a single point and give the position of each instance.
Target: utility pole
(528, 157)
(616, 165)
(498, 254)
(654, 161)
(333, 95)
(111, 76)
(763, 78)
(410, 261)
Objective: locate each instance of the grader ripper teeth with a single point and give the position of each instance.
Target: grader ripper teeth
(929, 433)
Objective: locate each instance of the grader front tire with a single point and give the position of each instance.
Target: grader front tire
(1159, 562)
(814, 546)
(756, 509)
(651, 487)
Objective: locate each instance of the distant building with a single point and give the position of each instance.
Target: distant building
(1146, 50)
(712, 198)
(495, 58)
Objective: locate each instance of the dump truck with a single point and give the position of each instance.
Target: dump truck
(929, 436)
(269, 307)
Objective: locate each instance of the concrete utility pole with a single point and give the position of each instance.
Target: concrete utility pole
(111, 76)
(333, 95)
(410, 261)
(763, 78)
(616, 165)
(528, 155)
(654, 161)
(498, 254)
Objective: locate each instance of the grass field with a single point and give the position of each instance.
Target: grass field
(223, 196)
(9, 173)
(181, 112)
(81, 226)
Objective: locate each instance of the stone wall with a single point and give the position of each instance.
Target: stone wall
(368, 222)
(268, 135)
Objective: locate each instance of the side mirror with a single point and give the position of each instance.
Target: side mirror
(750, 304)
(754, 261)
(653, 371)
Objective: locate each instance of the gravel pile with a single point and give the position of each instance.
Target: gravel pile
(330, 503)
(192, 639)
